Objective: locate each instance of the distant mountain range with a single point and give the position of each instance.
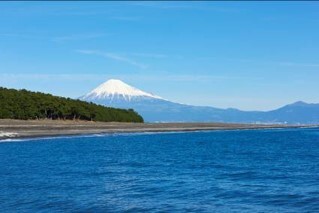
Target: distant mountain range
(116, 93)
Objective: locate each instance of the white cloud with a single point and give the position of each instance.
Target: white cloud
(8, 77)
(199, 6)
(293, 64)
(76, 37)
(115, 57)
(126, 18)
(149, 55)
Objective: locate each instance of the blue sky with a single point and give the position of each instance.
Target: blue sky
(247, 55)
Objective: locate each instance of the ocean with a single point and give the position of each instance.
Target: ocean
(275, 170)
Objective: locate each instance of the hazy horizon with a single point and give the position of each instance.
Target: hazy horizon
(245, 55)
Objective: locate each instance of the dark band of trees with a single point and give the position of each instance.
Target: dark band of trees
(23, 104)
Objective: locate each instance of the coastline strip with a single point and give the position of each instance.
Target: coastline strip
(16, 129)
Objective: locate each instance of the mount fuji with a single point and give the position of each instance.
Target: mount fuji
(153, 108)
(116, 90)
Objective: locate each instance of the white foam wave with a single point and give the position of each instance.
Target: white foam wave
(8, 134)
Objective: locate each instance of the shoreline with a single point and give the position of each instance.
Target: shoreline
(26, 129)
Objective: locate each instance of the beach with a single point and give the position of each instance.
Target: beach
(50, 128)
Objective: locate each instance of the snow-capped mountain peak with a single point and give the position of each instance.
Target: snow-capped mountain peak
(116, 88)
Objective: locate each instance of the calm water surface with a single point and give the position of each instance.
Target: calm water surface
(216, 171)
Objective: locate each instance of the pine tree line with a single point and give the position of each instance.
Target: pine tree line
(23, 104)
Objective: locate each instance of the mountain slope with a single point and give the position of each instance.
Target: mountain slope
(116, 93)
(298, 112)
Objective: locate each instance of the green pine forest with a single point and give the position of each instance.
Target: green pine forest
(25, 105)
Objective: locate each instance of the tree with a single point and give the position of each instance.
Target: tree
(23, 104)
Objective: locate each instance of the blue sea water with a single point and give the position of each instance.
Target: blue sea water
(213, 171)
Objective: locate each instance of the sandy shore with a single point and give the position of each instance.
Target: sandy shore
(45, 128)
